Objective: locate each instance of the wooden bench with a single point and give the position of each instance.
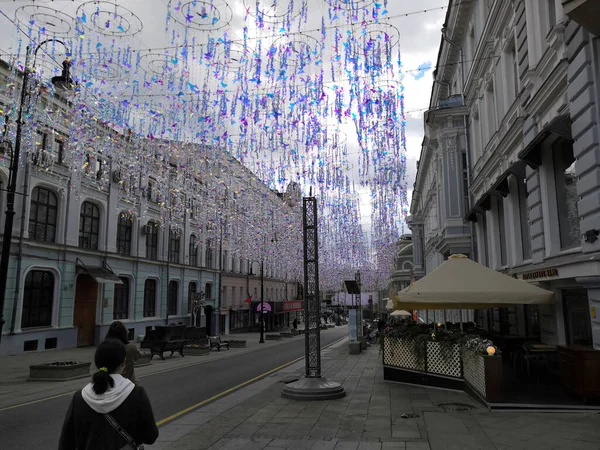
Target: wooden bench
(216, 342)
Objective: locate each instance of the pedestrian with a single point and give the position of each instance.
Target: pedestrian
(118, 331)
(110, 412)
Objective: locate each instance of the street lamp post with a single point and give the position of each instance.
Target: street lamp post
(62, 82)
(262, 299)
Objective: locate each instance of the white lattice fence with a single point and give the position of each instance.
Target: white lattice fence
(399, 353)
(474, 371)
(443, 361)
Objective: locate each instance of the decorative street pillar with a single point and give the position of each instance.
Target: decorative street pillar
(312, 386)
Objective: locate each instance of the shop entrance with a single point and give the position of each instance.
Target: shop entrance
(84, 314)
(578, 327)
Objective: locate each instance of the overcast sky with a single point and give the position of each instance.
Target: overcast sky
(419, 41)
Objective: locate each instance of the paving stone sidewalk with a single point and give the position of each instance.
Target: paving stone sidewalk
(16, 389)
(374, 415)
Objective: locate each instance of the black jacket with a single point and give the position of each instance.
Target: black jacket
(85, 429)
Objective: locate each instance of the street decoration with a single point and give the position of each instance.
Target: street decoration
(273, 91)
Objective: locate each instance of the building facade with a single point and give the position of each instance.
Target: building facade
(101, 237)
(528, 78)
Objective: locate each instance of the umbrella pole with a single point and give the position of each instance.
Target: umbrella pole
(445, 321)
(461, 319)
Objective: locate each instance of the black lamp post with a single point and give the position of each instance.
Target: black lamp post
(63, 82)
(262, 299)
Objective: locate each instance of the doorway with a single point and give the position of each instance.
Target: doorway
(84, 314)
(578, 326)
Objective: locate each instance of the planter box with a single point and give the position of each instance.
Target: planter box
(286, 334)
(273, 337)
(483, 375)
(57, 372)
(196, 351)
(440, 365)
(237, 344)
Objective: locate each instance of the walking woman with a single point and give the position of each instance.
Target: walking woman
(118, 331)
(110, 412)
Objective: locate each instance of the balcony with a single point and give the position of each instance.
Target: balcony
(585, 12)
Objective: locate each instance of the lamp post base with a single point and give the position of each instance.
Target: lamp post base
(313, 389)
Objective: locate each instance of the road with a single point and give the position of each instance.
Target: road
(38, 425)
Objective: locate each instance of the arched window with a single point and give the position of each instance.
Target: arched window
(193, 251)
(124, 229)
(89, 226)
(192, 288)
(38, 298)
(174, 243)
(209, 254)
(150, 298)
(152, 241)
(208, 291)
(121, 300)
(172, 298)
(42, 215)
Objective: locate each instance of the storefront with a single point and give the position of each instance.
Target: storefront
(239, 319)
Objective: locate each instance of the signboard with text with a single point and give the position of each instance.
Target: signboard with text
(353, 330)
(294, 305)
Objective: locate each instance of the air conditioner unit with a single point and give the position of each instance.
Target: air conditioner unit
(146, 229)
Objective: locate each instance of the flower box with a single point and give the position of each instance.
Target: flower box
(59, 371)
(196, 350)
(237, 343)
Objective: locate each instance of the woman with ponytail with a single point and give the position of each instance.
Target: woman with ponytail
(111, 412)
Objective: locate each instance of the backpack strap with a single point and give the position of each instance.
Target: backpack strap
(110, 419)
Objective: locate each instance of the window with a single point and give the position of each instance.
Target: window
(491, 112)
(38, 297)
(152, 241)
(513, 71)
(566, 194)
(208, 291)
(224, 296)
(89, 226)
(174, 241)
(124, 227)
(151, 191)
(193, 251)
(465, 180)
(121, 300)
(59, 146)
(524, 218)
(551, 9)
(150, 298)
(209, 254)
(233, 292)
(192, 288)
(42, 215)
(502, 232)
(172, 298)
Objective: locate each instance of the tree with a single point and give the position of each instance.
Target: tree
(197, 304)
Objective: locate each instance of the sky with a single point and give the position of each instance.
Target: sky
(152, 65)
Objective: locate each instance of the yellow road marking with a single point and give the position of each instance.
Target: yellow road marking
(168, 419)
(230, 390)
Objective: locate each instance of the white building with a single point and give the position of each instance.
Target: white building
(130, 231)
(527, 77)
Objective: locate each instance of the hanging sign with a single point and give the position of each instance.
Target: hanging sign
(266, 307)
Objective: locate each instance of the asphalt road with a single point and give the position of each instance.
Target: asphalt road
(38, 425)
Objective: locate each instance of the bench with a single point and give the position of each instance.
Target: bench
(216, 342)
(159, 347)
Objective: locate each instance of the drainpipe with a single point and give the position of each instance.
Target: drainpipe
(24, 197)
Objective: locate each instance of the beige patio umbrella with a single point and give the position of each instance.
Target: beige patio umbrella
(400, 313)
(460, 283)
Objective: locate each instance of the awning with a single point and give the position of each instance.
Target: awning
(460, 283)
(500, 187)
(101, 274)
(559, 126)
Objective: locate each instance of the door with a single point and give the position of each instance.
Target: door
(578, 325)
(84, 314)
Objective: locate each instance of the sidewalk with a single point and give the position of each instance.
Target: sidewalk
(15, 389)
(374, 415)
